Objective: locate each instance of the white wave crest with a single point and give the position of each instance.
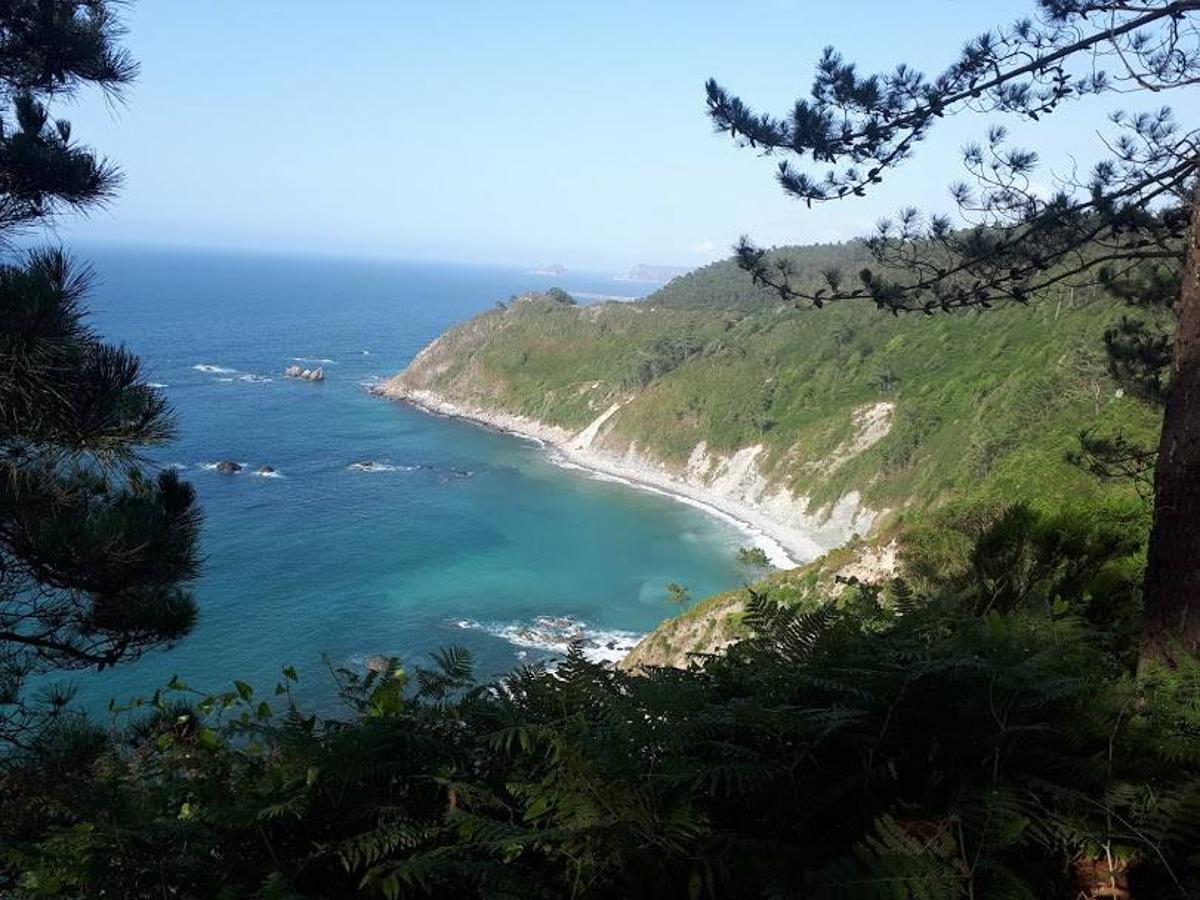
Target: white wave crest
(372, 466)
(156, 384)
(556, 634)
(316, 359)
(213, 369)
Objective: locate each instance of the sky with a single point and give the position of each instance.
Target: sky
(516, 133)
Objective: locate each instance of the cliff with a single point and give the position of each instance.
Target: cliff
(812, 426)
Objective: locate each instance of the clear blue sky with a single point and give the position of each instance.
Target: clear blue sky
(509, 132)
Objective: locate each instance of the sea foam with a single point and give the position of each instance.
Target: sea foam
(555, 634)
(371, 466)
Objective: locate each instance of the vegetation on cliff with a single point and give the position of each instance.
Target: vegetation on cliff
(1130, 224)
(978, 405)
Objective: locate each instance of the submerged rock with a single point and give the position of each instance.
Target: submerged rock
(229, 467)
(266, 470)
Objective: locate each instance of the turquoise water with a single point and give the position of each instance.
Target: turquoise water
(461, 535)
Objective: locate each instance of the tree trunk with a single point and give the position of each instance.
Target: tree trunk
(1173, 558)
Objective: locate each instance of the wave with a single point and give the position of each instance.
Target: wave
(274, 473)
(254, 379)
(156, 384)
(555, 634)
(315, 359)
(371, 466)
(214, 369)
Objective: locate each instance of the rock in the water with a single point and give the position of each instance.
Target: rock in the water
(317, 374)
(266, 470)
(228, 467)
(378, 663)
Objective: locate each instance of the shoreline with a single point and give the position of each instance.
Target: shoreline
(785, 547)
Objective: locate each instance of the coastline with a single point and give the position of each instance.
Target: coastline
(786, 547)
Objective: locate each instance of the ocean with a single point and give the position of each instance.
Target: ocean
(383, 530)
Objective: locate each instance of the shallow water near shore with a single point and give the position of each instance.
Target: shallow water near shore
(380, 529)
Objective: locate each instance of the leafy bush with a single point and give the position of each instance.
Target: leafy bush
(968, 734)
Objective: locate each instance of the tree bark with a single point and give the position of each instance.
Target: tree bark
(1172, 586)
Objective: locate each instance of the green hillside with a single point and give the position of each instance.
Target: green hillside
(723, 285)
(983, 404)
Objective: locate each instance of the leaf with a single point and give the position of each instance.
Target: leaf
(538, 807)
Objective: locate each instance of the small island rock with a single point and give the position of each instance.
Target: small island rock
(228, 467)
(317, 374)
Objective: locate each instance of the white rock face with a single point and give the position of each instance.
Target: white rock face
(585, 438)
(872, 423)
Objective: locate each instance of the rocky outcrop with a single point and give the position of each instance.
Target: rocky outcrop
(298, 372)
(229, 467)
(713, 624)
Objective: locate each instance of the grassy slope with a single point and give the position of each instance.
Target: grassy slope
(986, 404)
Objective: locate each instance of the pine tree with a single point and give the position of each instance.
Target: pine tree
(94, 551)
(1124, 228)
